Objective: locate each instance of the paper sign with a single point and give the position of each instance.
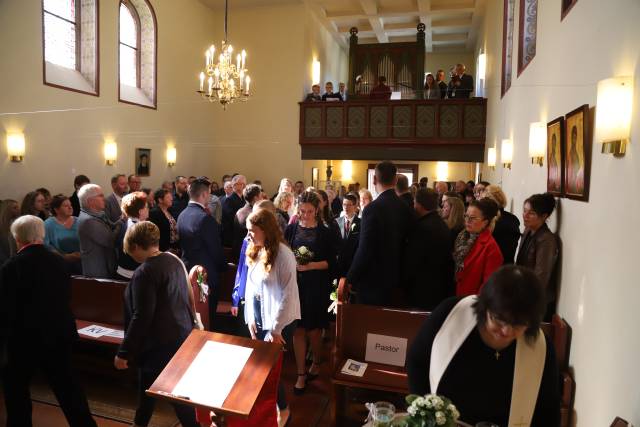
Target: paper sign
(352, 367)
(386, 349)
(95, 331)
(213, 373)
(116, 333)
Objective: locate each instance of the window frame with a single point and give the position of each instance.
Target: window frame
(138, 24)
(521, 31)
(505, 24)
(78, 28)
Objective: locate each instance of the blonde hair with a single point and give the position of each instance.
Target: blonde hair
(456, 213)
(133, 203)
(144, 235)
(266, 221)
(281, 198)
(495, 193)
(364, 192)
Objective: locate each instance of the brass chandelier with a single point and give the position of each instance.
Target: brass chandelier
(224, 81)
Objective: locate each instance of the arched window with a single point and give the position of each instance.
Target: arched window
(137, 53)
(70, 44)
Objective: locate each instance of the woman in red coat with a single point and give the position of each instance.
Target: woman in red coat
(475, 252)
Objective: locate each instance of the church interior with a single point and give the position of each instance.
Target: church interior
(150, 89)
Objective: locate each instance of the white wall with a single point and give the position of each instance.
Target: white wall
(600, 291)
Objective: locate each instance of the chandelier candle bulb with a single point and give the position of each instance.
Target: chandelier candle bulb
(244, 56)
(238, 62)
(210, 85)
(248, 80)
(201, 81)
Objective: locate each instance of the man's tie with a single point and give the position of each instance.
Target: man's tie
(346, 227)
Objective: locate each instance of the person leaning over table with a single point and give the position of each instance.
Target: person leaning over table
(466, 350)
(159, 316)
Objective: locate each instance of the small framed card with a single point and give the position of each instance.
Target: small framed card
(355, 368)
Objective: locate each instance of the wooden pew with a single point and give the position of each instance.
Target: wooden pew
(355, 321)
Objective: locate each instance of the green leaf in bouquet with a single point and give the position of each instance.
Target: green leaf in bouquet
(410, 398)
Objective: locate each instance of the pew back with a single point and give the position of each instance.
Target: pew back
(98, 300)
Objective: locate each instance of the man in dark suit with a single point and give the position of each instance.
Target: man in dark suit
(428, 267)
(200, 239)
(442, 85)
(374, 275)
(37, 328)
(461, 85)
(78, 182)
(231, 205)
(349, 225)
(402, 190)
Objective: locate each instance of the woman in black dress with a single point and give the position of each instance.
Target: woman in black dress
(507, 230)
(314, 247)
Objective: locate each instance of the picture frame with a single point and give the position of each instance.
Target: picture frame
(577, 154)
(555, 157)
(565, 7)
(142, 162)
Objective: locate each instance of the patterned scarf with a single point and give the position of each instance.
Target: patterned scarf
(462, 246)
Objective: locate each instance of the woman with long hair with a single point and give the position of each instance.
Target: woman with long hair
(452, 213)
(34, 204)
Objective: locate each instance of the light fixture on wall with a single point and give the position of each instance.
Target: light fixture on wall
(110, 152)
(226, 81)
(442, 171)
(537, 142)
(171, 156)
(15, 146)
(506, 153)
(613, 114)
(491, 158)
(347, 170)
(315, 72)
(482, 66)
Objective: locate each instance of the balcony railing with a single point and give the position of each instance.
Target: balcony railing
(449, 129)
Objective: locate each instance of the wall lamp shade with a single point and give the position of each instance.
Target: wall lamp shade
(482, 66)
(491, 158)
(110, 152)
(506, 153)
(15, 146)
(315, 72)
(442, 171)
(347, 170)
(613, 114)
(537, 142)
(171, 156)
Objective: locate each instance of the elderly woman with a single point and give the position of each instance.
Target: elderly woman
(34, 204)
(165, 222)
(466, 350)
(476, 254)
(38, 329)
(539, 246)
(159, 316)
(61, 232)
(452, 213)
(135, 209)
(9, 211)
(507, 230)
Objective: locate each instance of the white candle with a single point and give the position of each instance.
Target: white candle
(201, 82)
(216, 73)
(241, 79)
(244, 56)
(210, 85)
(248, 80)
(238, 62)
(206, 62)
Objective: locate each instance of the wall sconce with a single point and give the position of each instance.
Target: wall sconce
(315, 72)
(482, 66)
(347, 170)
(110, 152)
(491, 158)
(15, 146)
(537, 142)
(442, 171)
(171, 156)
(506, 153)
(613, 114)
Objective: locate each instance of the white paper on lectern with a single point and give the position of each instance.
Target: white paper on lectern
(213, 373)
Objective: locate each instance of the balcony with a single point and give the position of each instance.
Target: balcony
(448, 130)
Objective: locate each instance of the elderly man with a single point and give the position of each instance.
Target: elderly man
(461, 84)
(314, 95)
(232, 204)
(97, 234)
(37, 327)
(120, 186)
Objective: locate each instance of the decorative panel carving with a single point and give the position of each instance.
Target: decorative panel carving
(334, 122)
(378, 122)
(425, 121)
(355, 122)
(312, 122)
(449, 121)
(402, 121)
(473, 121)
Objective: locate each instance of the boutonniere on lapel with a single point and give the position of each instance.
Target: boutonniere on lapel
(353, 228)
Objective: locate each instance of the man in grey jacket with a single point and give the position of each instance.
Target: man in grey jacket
(97, 234)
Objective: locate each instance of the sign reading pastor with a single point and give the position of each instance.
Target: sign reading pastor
(386, 349)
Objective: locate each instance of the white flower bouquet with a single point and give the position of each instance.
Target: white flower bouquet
(303, 255)
(429, 411)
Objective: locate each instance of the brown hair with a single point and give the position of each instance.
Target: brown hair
(133, 203)
(266, 221)
(456, 214)
(56, 202)
(143, 235)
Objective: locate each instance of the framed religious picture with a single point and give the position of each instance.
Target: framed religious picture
(577, 154)
(555, 157)
(143, 161)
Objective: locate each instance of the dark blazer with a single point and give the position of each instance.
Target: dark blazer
(230, 206)
(158, 217)
(75, 203)
(35, 290)
(200, 243)
(376, 267)
(240, 228)
(334, 95)
(506, 234)
(348, 243)
(464, 90)
(443, 89)
(408, 199)
(428, 268)
(336, 207)
(539, 251)
(179, 204)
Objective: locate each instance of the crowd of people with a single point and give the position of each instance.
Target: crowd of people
(460, 86)
(411, 246)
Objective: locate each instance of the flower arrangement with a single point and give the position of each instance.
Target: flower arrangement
(333, 308)
(303, 255)
(430, 410)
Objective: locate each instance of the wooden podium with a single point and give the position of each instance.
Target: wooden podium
(244, 393)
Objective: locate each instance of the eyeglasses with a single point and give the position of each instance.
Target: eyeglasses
(502, 323)
(470, 218)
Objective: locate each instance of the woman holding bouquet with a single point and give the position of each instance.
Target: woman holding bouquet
(314, 247)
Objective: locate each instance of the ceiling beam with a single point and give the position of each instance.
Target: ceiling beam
(452, 23)
(330, 26)
(476, 21)
(370, 7)
(454, 37)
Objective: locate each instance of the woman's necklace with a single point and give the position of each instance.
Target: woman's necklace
(497, 354)
(65, 222)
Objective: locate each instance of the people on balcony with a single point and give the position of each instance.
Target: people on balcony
(461, 84)
(431, 88)
(442, 85)
(329, 95)
(314, 95)
(381, 91)
(342, 90)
